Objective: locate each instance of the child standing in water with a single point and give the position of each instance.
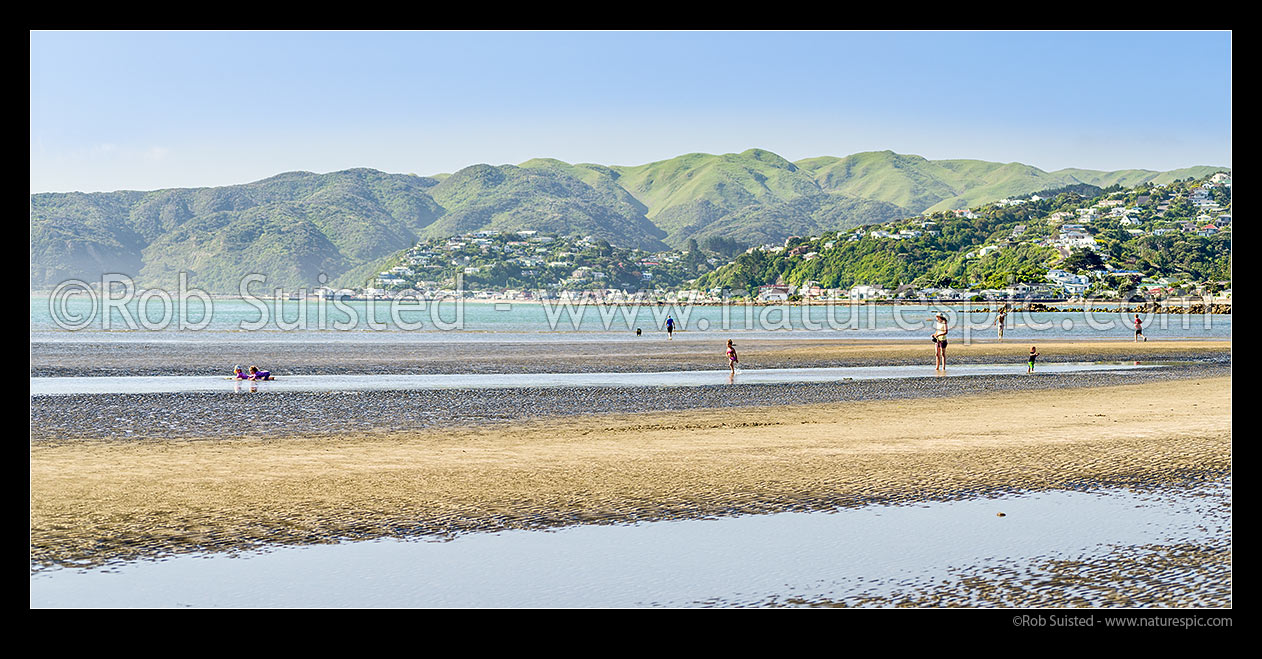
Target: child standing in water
(1033, 356)
(732, 360)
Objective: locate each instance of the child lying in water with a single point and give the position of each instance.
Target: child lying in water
(255, 374)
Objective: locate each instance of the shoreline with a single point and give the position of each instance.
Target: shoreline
(143, 416)
(104, 500)
(630, 354)
(1165, 305)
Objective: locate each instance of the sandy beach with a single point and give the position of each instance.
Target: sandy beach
(94, 500)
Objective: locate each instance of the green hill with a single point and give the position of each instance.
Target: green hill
(806, 215)
(996, 245)
(693, 190)
(923, 185)
(79, 236)
(1129, 178)
(920, 185)
(295, 226)
(290, 228)
(548, 196)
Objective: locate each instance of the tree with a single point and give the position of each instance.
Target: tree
(692, 255)
(1080, 260)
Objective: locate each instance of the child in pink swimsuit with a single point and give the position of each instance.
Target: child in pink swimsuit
(732, 360)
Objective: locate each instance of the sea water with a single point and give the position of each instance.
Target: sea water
(746, 560)
(236, 320)
(46, 386)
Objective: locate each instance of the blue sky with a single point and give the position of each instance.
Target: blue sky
(148, 110)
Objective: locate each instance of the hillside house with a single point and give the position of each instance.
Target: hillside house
(775, 292)
(1071, 283)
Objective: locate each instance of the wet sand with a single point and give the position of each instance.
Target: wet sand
(1186, 575)
(268, 412)
(97, 500)
(645, 354)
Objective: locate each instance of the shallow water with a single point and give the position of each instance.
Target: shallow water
(748, 560)
(170, 384)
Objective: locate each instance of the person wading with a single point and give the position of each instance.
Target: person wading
(940, 342)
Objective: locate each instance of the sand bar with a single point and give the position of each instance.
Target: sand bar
(98, 500)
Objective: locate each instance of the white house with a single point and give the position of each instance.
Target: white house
(1071, 283)
(1076, 239)
(1018, 290)
(867, 293)
(774, 293)
(387, 280)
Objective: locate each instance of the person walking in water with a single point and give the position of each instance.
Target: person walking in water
(1034, 354)
(940, 342)
(999, 322)
(732, 359)
(670, 328)
(1139, 329)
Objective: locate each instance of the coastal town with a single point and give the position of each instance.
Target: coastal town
(1084, 241)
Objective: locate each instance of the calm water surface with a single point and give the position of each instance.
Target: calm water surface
(727, 561)
(168, 384)
(445, 321)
